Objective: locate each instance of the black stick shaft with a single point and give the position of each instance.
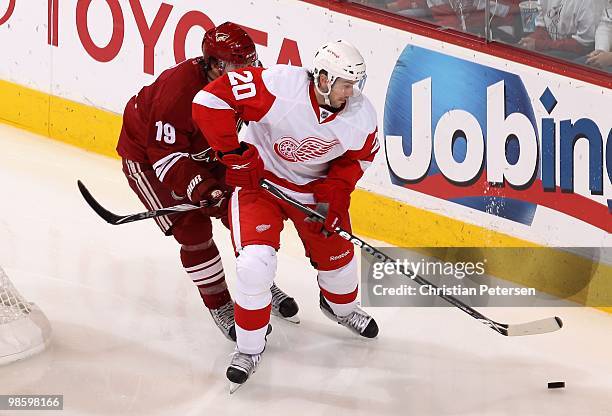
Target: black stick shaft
(377, 254)
(115, 219)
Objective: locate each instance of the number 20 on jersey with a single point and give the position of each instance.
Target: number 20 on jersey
(242, 84)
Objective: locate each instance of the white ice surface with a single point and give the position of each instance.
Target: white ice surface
(131, 336)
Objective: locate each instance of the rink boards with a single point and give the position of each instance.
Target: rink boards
(70, 68)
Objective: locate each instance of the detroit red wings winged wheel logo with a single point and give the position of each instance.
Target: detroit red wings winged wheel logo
(308, 149)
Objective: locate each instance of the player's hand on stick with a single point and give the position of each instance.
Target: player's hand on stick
(244, 166)
(333, 202)
(212, 196)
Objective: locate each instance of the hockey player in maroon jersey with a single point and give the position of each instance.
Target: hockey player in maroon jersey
(168, 161)
(313, 135)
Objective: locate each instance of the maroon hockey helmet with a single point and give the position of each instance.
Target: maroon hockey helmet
(229, 44)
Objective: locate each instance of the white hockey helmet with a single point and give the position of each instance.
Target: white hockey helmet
(339, 59)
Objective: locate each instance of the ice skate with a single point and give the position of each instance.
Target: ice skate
(283, 305)
(357, 321)
(224, 319)
(241, 368)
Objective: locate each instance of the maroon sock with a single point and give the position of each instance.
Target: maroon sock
(203, 265)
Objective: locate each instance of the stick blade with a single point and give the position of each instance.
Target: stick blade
(541, 326)
(105, 214)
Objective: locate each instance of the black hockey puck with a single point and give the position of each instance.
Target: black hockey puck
(556, 385)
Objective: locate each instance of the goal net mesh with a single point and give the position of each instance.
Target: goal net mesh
(12, 305)
(24, 328)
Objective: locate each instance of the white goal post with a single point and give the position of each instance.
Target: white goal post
(24, 328)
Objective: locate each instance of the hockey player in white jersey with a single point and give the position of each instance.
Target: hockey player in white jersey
(312, 134)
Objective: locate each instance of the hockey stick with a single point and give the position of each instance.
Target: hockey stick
(529, 328)
(115, 219)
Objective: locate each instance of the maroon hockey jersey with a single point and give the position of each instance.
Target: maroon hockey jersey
(158, 129)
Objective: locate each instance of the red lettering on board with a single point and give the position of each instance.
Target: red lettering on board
(110, 51)
(150, 34)
(189, 20)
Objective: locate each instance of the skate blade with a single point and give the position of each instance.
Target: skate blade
(295, 319)
(233, 387)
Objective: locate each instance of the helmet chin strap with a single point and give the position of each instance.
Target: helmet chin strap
(325, 94)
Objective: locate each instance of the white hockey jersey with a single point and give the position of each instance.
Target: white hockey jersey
(298, 141)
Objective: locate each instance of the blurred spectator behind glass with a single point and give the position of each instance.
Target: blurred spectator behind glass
(468, 15)
(601, 57)
(464, 15)
(381, 4)
(565, 28)
(410, 8)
